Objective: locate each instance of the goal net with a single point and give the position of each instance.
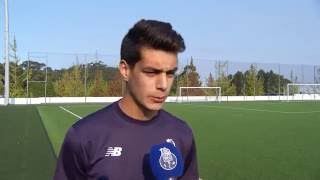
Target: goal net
(300, 92)
(199, 94)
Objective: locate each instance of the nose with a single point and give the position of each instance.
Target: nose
(162, 82)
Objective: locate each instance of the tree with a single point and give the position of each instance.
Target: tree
(37, 72)
(116, 85)
(227, 87)
(224, 81)
(189, 77)
(294, 79)
(259, 89)
(93, 67)
(273, 83)
(16, 73)
(316, 89)
(210, 81)
(99, 87)
(239, 81)
(51, 78)
(1, 79)
(317, 75)
(254, 85)
(193, 78)
(70, 84)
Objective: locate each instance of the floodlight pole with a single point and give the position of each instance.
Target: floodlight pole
(6, 58)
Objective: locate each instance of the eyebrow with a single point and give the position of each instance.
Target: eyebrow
(159, 70)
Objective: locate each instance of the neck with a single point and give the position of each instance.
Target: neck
(135, 110)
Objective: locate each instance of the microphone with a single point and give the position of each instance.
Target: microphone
(166, 161)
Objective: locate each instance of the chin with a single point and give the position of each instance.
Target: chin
(154, 106)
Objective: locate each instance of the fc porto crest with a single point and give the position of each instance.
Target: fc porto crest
(167, 160)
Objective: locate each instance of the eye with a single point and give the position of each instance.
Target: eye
(150, 73)
(170, 74)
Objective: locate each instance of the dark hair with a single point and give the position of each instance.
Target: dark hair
(153, 34)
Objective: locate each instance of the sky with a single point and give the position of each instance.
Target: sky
(273, 31)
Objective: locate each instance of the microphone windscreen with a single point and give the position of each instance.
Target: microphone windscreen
(166, 161)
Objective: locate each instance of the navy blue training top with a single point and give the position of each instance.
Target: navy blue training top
(109, 145)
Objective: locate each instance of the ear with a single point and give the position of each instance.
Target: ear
(124, 69)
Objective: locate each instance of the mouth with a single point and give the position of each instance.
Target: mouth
(158, 99)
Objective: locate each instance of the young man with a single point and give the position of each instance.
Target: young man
(113, 143)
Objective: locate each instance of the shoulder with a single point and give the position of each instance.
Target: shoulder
(95, 122)
(179, 131)
(176, 123)
(95, 117)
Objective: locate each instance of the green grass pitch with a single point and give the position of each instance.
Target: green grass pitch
(25, 149)
(235, 141)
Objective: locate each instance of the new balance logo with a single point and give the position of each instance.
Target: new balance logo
(113, 151)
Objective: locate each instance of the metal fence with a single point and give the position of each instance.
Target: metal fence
(235, 78)
(272, 78)
(43, 77)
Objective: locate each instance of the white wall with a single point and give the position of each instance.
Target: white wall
(1, 101)
(57, 100)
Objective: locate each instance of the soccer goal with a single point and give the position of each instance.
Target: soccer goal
(199, 94)
(299, 92)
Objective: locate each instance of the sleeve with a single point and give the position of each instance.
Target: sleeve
(191, 164)
(71, 162)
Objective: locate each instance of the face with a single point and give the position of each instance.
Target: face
(150, 80)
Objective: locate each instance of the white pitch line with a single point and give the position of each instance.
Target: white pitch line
(70, 112)
(259, 110)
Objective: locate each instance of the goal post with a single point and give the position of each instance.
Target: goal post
(199, 94)
(300, 92)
